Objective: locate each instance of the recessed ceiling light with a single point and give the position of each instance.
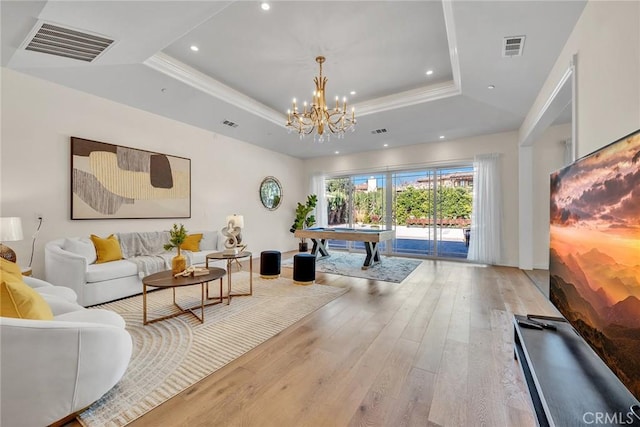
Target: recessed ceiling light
(353, 92)
(491, 87)
(194, 48)
(429, 72)
(265, 6)
(385, 145)
(441, 136)
(337, 152)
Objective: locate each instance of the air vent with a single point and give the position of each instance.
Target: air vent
(512, 46)
(379, 131)
(60, 41)
(229, 123)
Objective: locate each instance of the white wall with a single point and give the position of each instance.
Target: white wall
(442, 153)
(548, 156)
(606, 40)
(38, 118)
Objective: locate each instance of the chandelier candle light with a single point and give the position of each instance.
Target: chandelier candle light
(318, 116)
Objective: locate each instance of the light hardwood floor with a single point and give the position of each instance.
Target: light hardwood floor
(435, 350)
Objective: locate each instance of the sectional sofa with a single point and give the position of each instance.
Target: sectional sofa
(71, 262)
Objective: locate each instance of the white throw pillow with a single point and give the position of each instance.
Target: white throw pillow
(83, 247)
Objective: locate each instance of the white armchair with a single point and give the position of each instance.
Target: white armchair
(54, 368)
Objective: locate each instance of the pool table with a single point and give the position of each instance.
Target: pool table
(370, 236)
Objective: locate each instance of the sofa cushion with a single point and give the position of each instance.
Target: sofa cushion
(93, 315)
(83, 247)
(192, 242)
(106, 249)
(209, 241)
(111, 270)
(17, 299)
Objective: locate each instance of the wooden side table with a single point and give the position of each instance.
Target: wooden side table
(230, 258)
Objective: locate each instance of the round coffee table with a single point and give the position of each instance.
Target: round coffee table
(165, 279)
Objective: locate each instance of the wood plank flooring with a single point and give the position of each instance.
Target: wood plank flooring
(435, 350)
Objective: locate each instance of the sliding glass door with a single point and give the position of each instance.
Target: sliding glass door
(356, 202)
(430, 209)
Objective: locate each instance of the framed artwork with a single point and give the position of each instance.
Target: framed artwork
(115, 182)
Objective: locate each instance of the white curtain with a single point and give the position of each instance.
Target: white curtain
(485, 244)
(318, 188)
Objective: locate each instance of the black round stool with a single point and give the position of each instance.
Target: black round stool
(304, 269)
(270, 264)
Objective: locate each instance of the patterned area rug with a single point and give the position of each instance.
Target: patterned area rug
(390, 269)
(173, 354)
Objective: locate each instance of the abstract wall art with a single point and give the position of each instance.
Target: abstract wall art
(115, 182)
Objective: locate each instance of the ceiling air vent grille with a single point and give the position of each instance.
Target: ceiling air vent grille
(378, 131)
(230, 123)
(512, 46)
(60, 41)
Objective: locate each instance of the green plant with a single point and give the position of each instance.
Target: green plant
(178, 235)
(304, 219)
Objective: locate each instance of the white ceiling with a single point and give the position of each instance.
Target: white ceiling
(251, 63)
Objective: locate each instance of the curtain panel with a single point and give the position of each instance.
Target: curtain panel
(318, 188)
(485, 244)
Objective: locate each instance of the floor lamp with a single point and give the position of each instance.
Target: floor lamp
(10, 231)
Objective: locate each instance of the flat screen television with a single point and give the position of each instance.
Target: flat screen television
(594, 259)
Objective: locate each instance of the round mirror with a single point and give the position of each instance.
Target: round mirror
(270, 193)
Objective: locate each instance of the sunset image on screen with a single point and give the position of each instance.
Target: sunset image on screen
(594, 263)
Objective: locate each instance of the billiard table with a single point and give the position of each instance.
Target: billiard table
(370, 236)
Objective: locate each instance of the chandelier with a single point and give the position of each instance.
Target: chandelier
(318, 116)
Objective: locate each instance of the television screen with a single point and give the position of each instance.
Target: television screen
(594, 260)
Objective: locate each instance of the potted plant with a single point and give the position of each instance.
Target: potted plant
(304, 219)
(178, 234)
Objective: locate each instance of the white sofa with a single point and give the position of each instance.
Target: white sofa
(54, 368)
(71, 262)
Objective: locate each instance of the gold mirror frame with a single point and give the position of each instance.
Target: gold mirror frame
(271, 193)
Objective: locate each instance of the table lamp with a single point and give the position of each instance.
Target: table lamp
(10, 231)
(233, 236)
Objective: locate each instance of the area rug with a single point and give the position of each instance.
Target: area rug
(391, 269)
(173, 354)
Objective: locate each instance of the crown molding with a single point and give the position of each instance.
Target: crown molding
(188, 75)
(407, 98)
(182, 72)
(449, 23)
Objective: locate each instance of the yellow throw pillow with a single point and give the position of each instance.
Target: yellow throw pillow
(10, 267)
(19, 300)
(192, 242)
(106, 249)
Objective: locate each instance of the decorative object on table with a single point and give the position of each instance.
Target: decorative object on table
(193, 271)
(318, 116)
(178, 234)
(10, 231)
(112, 181)
(270, 193)
(233, 234)
(304, 219)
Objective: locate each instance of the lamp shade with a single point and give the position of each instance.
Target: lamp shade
(10, 229)
(237, 220)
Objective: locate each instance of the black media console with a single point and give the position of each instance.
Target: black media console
(568, 383)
